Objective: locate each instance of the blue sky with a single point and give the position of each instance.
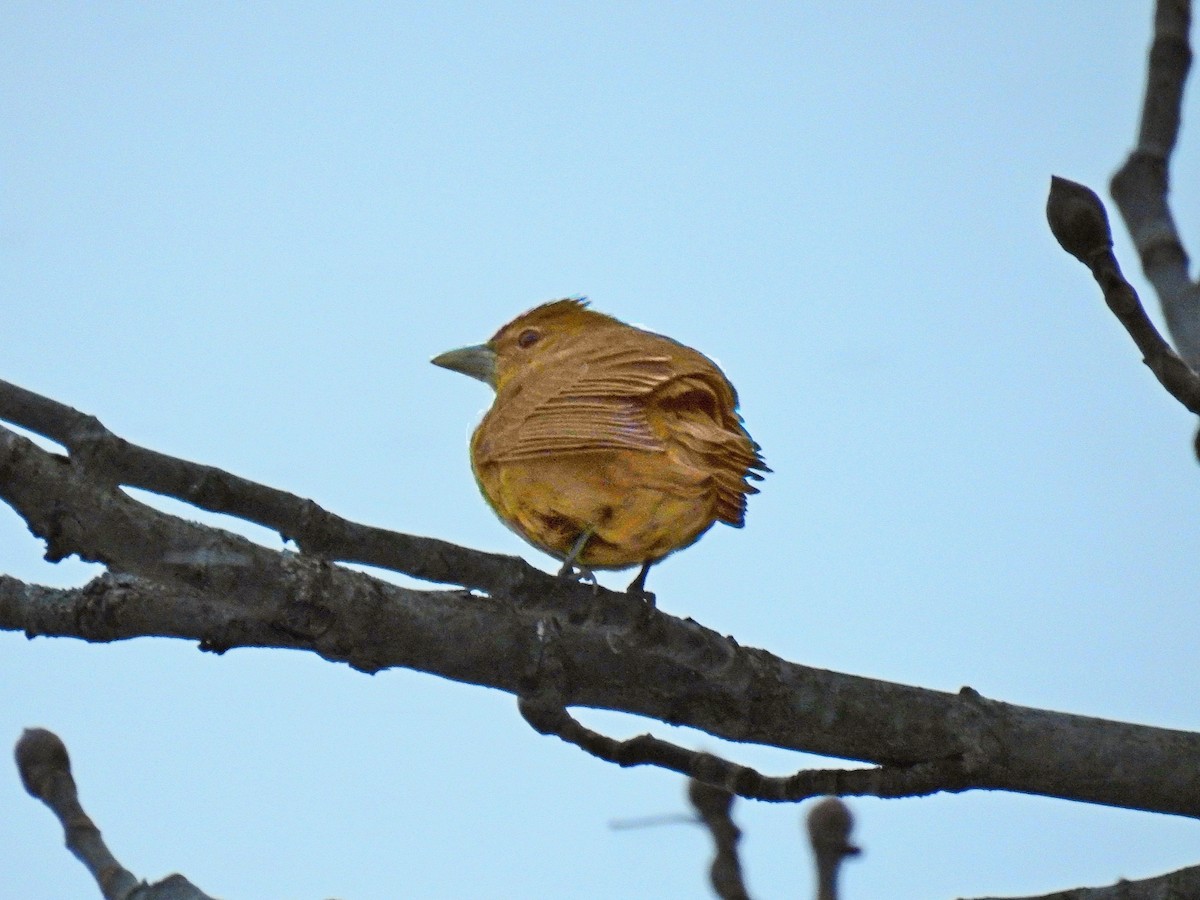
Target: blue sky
(237, 235)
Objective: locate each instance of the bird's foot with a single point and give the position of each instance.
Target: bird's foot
(647, 597)
(579, 575)
(650, 599)
(637, 587)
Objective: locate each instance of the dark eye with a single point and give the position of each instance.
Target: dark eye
(528, 338)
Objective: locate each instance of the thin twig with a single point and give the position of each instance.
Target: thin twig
(1141, 185)
(715, 806)
(829, 825)
(1080, 224)
(916, 780)
(45, 770)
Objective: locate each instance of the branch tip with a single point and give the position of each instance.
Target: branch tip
(1077, 219)
(714, 805)
(40, 754)
(829, 825)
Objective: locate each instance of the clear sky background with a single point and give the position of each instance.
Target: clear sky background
(237, 233)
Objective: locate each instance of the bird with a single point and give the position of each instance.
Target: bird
(606, 446)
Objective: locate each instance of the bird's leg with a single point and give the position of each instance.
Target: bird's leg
(569, 564)
(575, 551)
(637, 587)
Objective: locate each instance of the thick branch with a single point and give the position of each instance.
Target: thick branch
(315, 530)
(599, 649)
(1140, 186)
(1172, 886)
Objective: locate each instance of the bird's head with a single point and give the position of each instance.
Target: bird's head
(530, 339)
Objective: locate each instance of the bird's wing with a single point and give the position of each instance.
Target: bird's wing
(697, 412)
(583, 402)
(658, 396)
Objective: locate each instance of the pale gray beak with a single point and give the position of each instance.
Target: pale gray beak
(478, 362)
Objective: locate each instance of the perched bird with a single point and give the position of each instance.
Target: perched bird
(606, 446)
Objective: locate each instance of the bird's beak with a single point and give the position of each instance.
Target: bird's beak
(478, 362)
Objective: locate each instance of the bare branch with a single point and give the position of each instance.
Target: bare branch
(646, 750)
(714, 806)
(315, 530)
(1080, 224)
(1140, 186)
(829, 826)
(595, 648)
(1172, 886)
(45, 771)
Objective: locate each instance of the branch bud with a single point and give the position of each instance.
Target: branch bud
(1077, 219)
(40, 754)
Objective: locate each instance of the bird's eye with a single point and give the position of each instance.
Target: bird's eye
(528, 338)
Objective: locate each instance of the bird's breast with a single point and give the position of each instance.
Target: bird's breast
(634, 513)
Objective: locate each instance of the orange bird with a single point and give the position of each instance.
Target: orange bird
(607, 446)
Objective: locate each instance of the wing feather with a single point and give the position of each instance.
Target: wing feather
(651, 395)
(582, 399)
(698, 411)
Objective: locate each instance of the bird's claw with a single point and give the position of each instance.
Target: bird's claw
(647, 597)
(578, 575)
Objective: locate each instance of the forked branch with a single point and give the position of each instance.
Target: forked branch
(1140, 187)
(1080, 224)
(171, 577)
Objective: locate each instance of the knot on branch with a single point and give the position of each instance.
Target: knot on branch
(980, 731)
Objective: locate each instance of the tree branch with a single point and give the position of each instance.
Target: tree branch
(1140, 186)
(714, 807)
(829, 825)
(314, 530)
(917, 780)
(531, 634)
(1080, 224)
(1172, 886)
(45, 771)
